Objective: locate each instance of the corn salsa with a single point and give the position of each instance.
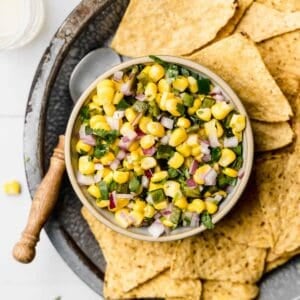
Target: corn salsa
(160, 146)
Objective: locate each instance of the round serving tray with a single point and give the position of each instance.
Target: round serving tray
(89, 26)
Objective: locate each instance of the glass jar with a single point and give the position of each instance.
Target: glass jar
(20, 22)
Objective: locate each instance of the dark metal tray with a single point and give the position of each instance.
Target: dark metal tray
(89, 26)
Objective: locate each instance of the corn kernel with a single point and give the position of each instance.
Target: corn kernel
(146, 70)
(94, 107)
(155, 129)
(192, 140)
(143, 123)
(149, 211)
(177, 137)
(134, 146)
(184, 149)
(164, 98)
(136, 155)
(82, 147)
(192, 110)
(126, 128)
(138, 170)
(200, 173)
(147, 141)
(211, 207)
(139, 205)
(204, 114)
(108, 177)
(121, 176)
(161, 205)
(163, 86)
(196, 150)
(148, 163)
(130, 114)
(12, 187)
(181, 202)
(122, 202)
(85, 165)
(183, 122)
(105, 95)
(151, 91)
(227, 157)
(118, 97)
(155, 186)
(230, 172)
(238, 135)
(107, 158)
(193, 84)
(180, 83)
(220, 129)
(171, 106)
(105, 82)
(167, 222)
(96, 119)
(102, 203)
(159, 176)
(156, 72)
(176, 160)
(220, 110)
(238, 123)
(94, 191)
(137, 217)
(127, 164)
(122, 218)
(171, 188)
(109, 109)
(197, 205)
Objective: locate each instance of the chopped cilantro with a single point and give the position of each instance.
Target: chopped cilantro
(100, 150)
(164, 152)
(159, 61)
(140, 106)
(215, 154)
(108, 135)
(184, 72)
(206, 220)
(238, 149)
(203, 85)
(172, 173)
(180, 108)
(84, 113)
(208, 102)
(224, 180)
(103, 190)
(122, 105)
(237, 164)
(172, 71)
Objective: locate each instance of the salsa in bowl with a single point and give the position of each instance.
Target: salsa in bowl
(159, 148)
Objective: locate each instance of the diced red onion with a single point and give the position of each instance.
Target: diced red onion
(166, 212)
(167, 122)
(126, 88)
(112, 200)
(145, 181)
(119, 114)
(191, 183)
(97, 177)
(210, 177)
(121, 155)
(85, 179)
(206, 157)
(124, 196)
(114, 165)
(216, 90)
(139, 132)
(156, 229)
(231, 142)
(98, 167)
(241, 173)
(150, 151)
(124, 143)
(89, 140)
(140, 97)
(113, 123)
(131, 135)
(148, 173)
(229, 189)
(195, 220)
(219, 98)
(193, 167)
(165, 139)
(118, 76)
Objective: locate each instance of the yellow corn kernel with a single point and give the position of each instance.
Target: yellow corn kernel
(167, 222)
(130, 114)
(137, 217)
(12, 187)
(196, 150)
(181, 202)
(157, 169)
(85, 165)
(102, 203)
(122, 218)
(163, 86)
(156, 72)
(192, 110)
(197, 205)
(180, 83)
(126, 128)
(204, 114)
(159, 176)
(146, 70)
(177, 137)
(193, 84)
(211, 207)
(148, 163)
(164, 98)
(161, 205)
(94, 191)
(127, 164)
(105, 95)
(143, 123)
(121, 176)
(134, 146)
(183, 122)
(149, 211)
(107, 158)
(105, 82)
(109, 109)
(151, 91)
(192, 140)
(221, 110)
(82, 147)
(156, 129)
(139, 205)
(96, 119)
(122, 202)
(220, 129)
(138, 170)
(230, 172)
(184, 149)
(136, 154)
(238, 123)
(200, 172)
(155, 186)
(108, 177)
(93, 106)
(171, 106)
(238, 135)
(118, 97)
(176, 160)
(188, 161)
(172, 188)
(227, 157)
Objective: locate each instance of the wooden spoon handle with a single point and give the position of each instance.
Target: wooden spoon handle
(42, 205)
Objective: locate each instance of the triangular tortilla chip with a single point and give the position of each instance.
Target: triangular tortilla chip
(161, 286)
(215, 257)
(274, 261)
(147, 259)
(282, 5)
(261, 22)
(271, 136)
(238, 61)
(170, 27)
(226, 290)
(281, 55)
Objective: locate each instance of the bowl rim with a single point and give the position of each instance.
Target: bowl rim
(248, 139)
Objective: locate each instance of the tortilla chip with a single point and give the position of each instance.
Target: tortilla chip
(279, 260)
(212, 256)
(271, 136)
(226, 290)
(147, 259)
(282, 5)
(261, 22)
(238, 61)
(245, 224)
(231, 25)
(170, 27)
(282, 57)
(161, 286)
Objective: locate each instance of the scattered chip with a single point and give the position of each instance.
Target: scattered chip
(234, 59)
(282, 5)
(273, 263)
(170, 27)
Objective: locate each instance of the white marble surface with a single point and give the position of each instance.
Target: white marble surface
(48, 277)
